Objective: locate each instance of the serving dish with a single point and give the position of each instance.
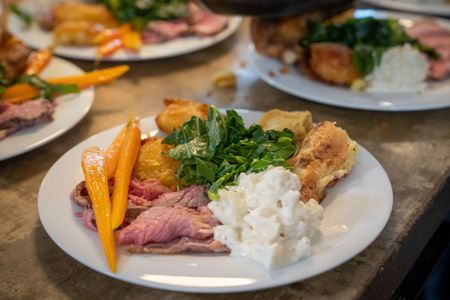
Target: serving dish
(435, 7)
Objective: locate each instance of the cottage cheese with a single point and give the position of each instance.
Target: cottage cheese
(263, 218)
(402, 69)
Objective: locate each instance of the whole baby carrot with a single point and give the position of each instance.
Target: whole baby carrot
(127, 158)
(112, 153)
(93, 164)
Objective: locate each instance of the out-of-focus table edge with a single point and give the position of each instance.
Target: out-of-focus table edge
(404, 254)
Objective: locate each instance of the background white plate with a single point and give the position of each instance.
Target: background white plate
(294, 82)
(35, 37)
(432, 7)
(69, 111)
(356, 210)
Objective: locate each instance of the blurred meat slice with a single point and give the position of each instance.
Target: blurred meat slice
(161, 31)
(14, 117)
(437, 37)
(209, 25)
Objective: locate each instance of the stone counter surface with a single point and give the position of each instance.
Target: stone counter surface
(413, 147)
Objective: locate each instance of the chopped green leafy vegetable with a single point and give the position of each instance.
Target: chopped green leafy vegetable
(214, 152)
(368, 37)
(140, 12)
(21, 14)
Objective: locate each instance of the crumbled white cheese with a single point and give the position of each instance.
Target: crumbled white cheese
(402, 69)
(263, 218)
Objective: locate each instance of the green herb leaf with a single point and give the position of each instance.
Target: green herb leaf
(21, 14)
(214, 152)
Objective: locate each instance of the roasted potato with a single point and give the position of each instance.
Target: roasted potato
(327, 154)
(178, 111)
(80, 33)
(300, 122)
(152, 162)
(333, 63)
(92, 13)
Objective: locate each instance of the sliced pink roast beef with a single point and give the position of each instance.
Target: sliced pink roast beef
(180, 245)
(142, 191)
(14, 117)
(437, 37)
(192, 197)
(166, 224)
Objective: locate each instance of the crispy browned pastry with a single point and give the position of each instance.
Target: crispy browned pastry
(300, 122)
(327, 154)
(14, 55)
(279, 37)
(153, 163)
(78, 23)
(333, 63)
(82, 33)
(178, 111)
(77, 11)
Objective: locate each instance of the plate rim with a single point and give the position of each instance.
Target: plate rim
(63, 130)
(233, 26)
(306, 95)
(429, 9)
(203, 290)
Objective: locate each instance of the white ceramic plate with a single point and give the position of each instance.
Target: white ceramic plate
(432, 7)
(356, 210)
(294, 82)
(69, 111)
(35, 37)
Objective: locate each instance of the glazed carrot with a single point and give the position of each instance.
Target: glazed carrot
(131, 39)
(112, 153)
(109, 47)
(107, 35)
(93, 164)
(22, 92)
(92, 78)
(39, 61)
(127, 158)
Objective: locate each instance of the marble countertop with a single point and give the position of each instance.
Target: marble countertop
(413, 147)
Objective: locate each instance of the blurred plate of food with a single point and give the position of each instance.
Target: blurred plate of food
(363, 59)
(120, 30)
(432, 7)
(41, 96)
(234, 197)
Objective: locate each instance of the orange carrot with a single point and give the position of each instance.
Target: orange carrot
(93, 164)
(92, 78)
(22, 92)
(107, 35)
(112, 153)
(109, 47)
(132, 40)
(127, 158)
(39, 61)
